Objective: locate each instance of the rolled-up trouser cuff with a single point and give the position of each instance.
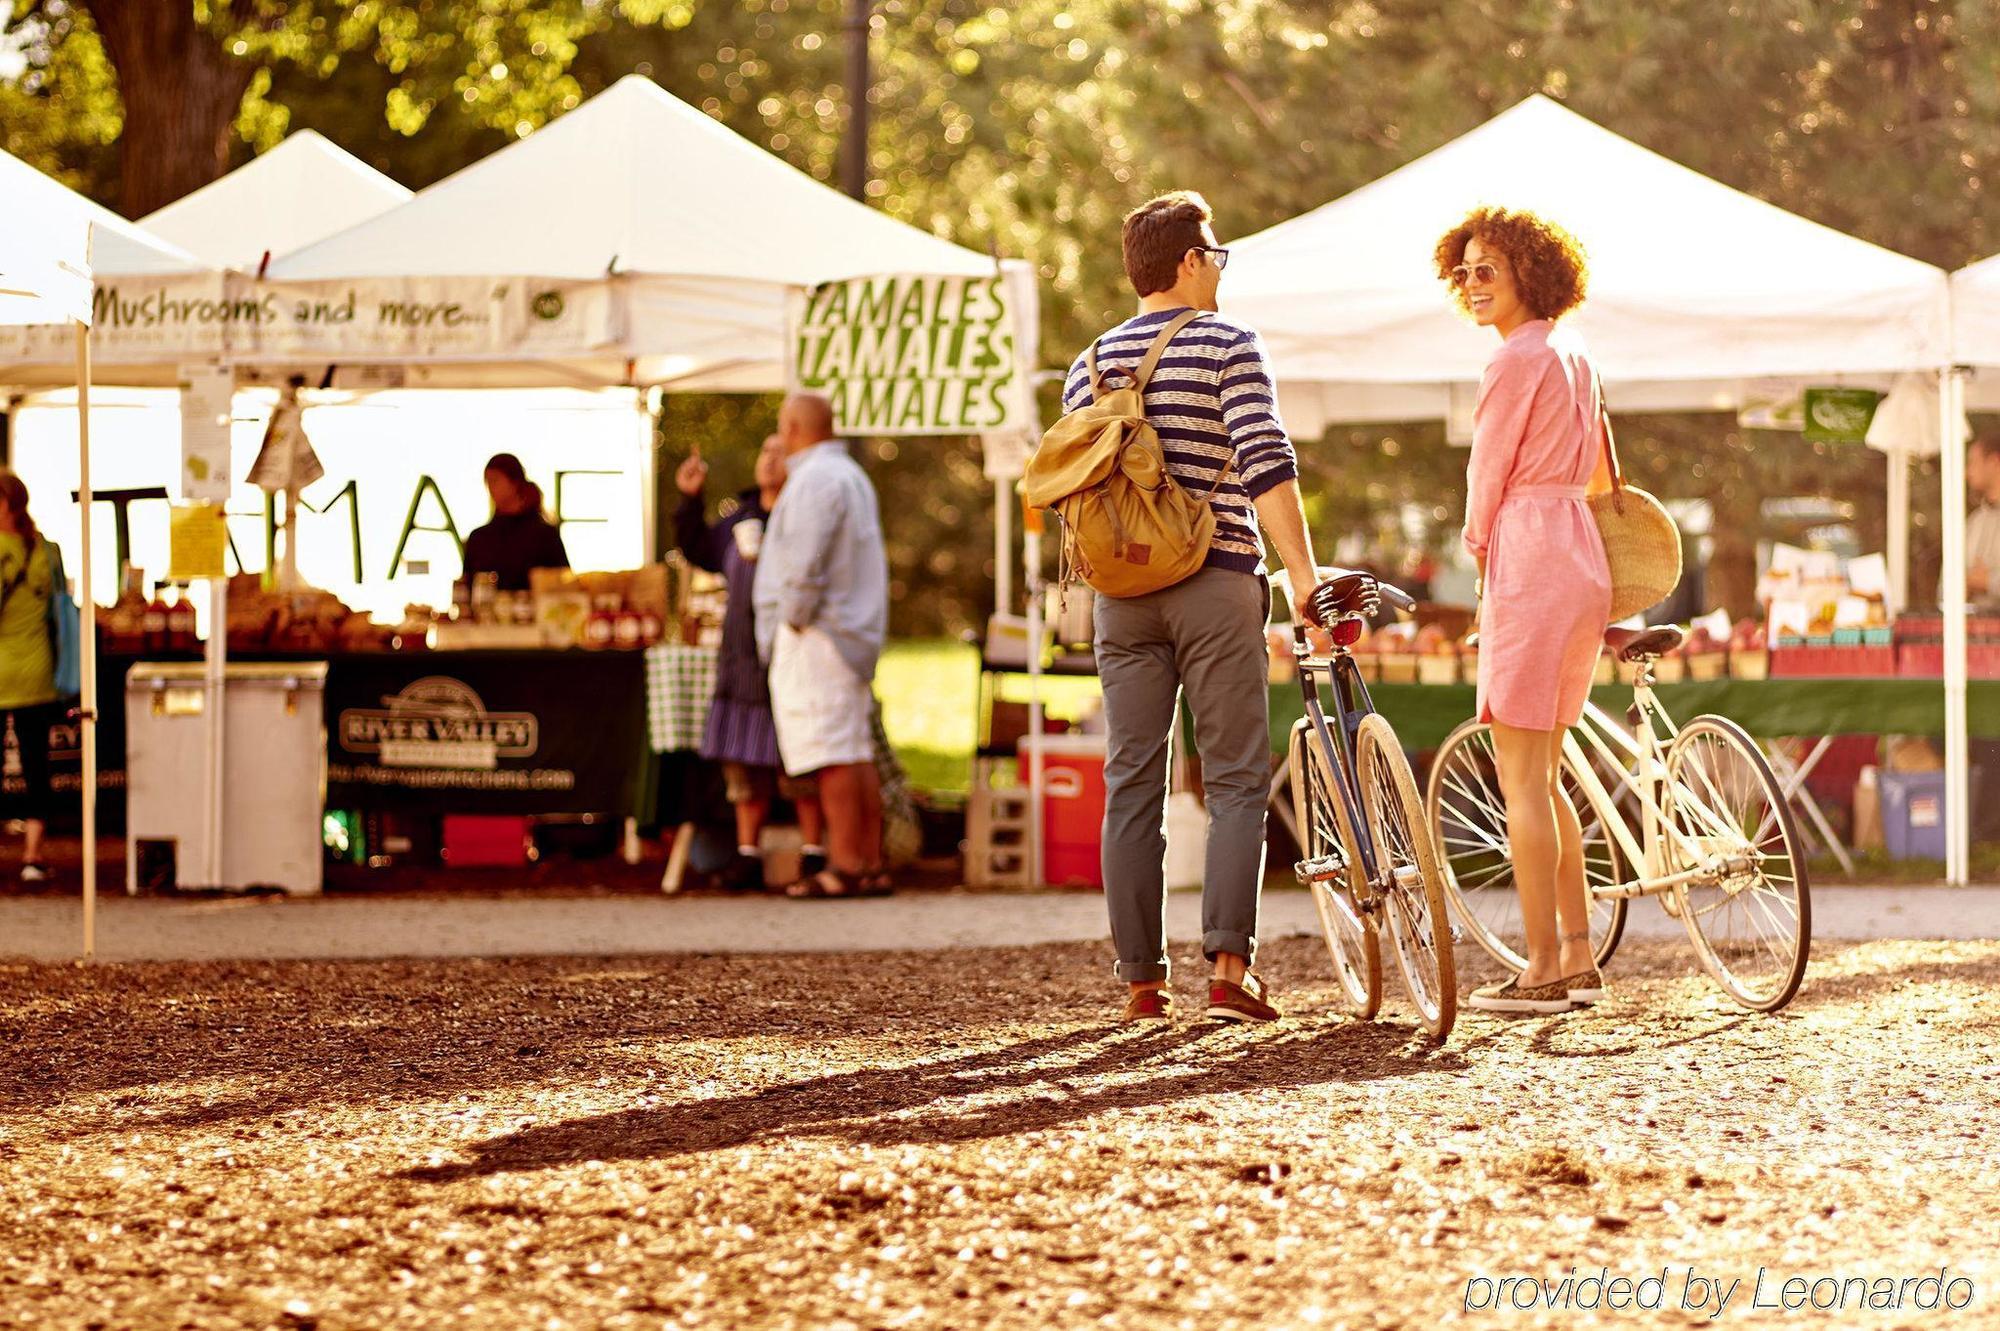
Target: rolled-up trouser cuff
(1140, 972)
(1222, 940)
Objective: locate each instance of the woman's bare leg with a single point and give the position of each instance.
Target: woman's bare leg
(1572, 895)
(1532, 839)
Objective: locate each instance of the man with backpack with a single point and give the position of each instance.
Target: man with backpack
(1203, 387)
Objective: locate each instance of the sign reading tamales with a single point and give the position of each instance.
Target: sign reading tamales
(911, 355)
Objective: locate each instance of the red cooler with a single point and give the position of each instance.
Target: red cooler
(1072, 809)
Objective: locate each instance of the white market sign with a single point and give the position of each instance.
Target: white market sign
(912, 355)
(235, 317)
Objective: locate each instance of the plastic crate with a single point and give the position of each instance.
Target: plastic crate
(1913, 813)
(1925, 660)
(1856, 662)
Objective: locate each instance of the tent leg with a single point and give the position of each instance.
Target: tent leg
(1031, 559)
(87, 601)
(1957, 755)
(1003, 548)
(1899, 528)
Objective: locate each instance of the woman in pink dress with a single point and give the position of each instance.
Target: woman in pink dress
(1537, 450)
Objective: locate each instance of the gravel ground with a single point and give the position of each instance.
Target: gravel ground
(964, 1139)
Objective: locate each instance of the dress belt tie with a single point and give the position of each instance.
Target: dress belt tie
(1546, 492)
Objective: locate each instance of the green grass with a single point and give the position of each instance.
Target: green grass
(930, 706)
(1875, 866)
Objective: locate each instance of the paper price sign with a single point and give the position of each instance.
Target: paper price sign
(197, 540)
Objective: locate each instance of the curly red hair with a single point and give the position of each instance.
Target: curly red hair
(1550, 270)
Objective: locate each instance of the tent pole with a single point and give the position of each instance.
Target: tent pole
(1003, 548)
(86, 703)
(1899, 527)
(1031, 559)
(1957, 791)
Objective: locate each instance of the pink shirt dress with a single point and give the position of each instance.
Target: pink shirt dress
(1536, 443)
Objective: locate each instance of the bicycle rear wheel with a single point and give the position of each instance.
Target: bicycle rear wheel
(1750, 920)
(1468, 816)
(1323, 827)
(1413, 888)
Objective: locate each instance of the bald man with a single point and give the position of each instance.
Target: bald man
(822, 597)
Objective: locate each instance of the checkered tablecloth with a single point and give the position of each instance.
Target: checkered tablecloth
(680, 680)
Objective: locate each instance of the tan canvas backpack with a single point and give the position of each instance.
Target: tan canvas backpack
(1128, 526)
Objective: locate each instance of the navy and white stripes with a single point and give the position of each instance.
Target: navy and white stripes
(1210, 399)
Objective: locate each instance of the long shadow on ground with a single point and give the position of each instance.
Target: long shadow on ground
(1039, 1084)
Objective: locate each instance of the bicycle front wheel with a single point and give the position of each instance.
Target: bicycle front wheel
(1750, 914)
(1468, 816)
(1413, 885)
(1323, 831)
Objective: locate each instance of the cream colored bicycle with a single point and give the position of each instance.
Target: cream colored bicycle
(1715, 840)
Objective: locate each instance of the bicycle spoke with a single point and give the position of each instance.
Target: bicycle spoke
(1730, 818)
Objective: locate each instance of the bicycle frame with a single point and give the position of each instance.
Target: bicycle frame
(1351, 703)
(1645, 750)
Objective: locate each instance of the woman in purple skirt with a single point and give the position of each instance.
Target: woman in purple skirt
(740, 734)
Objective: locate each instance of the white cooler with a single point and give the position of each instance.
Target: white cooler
(273, 781)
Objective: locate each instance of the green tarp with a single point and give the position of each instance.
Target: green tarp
(1424, 714)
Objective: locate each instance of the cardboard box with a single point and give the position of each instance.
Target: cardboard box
(1437, 668)
(1399, 667)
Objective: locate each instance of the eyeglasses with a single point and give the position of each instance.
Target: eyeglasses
(1221, 255)
(1464, 273)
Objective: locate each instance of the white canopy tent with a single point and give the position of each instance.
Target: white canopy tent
(1702, 298)
(129, 267)
(45, 246)
(671, 241)
(659, 248)
(304, 190)
(1697, 290)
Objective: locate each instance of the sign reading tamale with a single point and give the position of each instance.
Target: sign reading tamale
(910, 355)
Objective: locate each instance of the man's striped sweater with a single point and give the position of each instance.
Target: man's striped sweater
(1211, 401)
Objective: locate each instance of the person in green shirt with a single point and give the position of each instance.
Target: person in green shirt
(28, 699)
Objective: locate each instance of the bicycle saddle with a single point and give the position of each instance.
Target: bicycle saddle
(1344, 591)
(1643, 644)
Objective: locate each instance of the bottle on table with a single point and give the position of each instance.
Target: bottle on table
(181, 635)
(154, 623)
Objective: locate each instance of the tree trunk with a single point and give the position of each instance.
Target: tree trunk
(182, 90)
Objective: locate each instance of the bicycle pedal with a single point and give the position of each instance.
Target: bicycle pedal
(1324, 869)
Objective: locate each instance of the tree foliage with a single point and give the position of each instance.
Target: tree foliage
(1029, 128)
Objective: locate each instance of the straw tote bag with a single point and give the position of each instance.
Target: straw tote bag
(1641, 542)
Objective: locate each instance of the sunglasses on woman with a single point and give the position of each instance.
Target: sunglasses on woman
(1464, 273)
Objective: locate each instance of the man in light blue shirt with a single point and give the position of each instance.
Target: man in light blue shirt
(822, 599)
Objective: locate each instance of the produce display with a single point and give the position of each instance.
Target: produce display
(625, 609)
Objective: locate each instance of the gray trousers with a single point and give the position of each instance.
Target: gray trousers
(1204, 637)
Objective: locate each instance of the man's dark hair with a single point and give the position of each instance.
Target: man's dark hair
(1988, 443)
(1158, 234)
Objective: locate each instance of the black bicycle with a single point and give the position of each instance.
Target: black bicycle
(1366, 851)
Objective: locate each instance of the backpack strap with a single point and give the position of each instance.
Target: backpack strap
(1144, 373)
